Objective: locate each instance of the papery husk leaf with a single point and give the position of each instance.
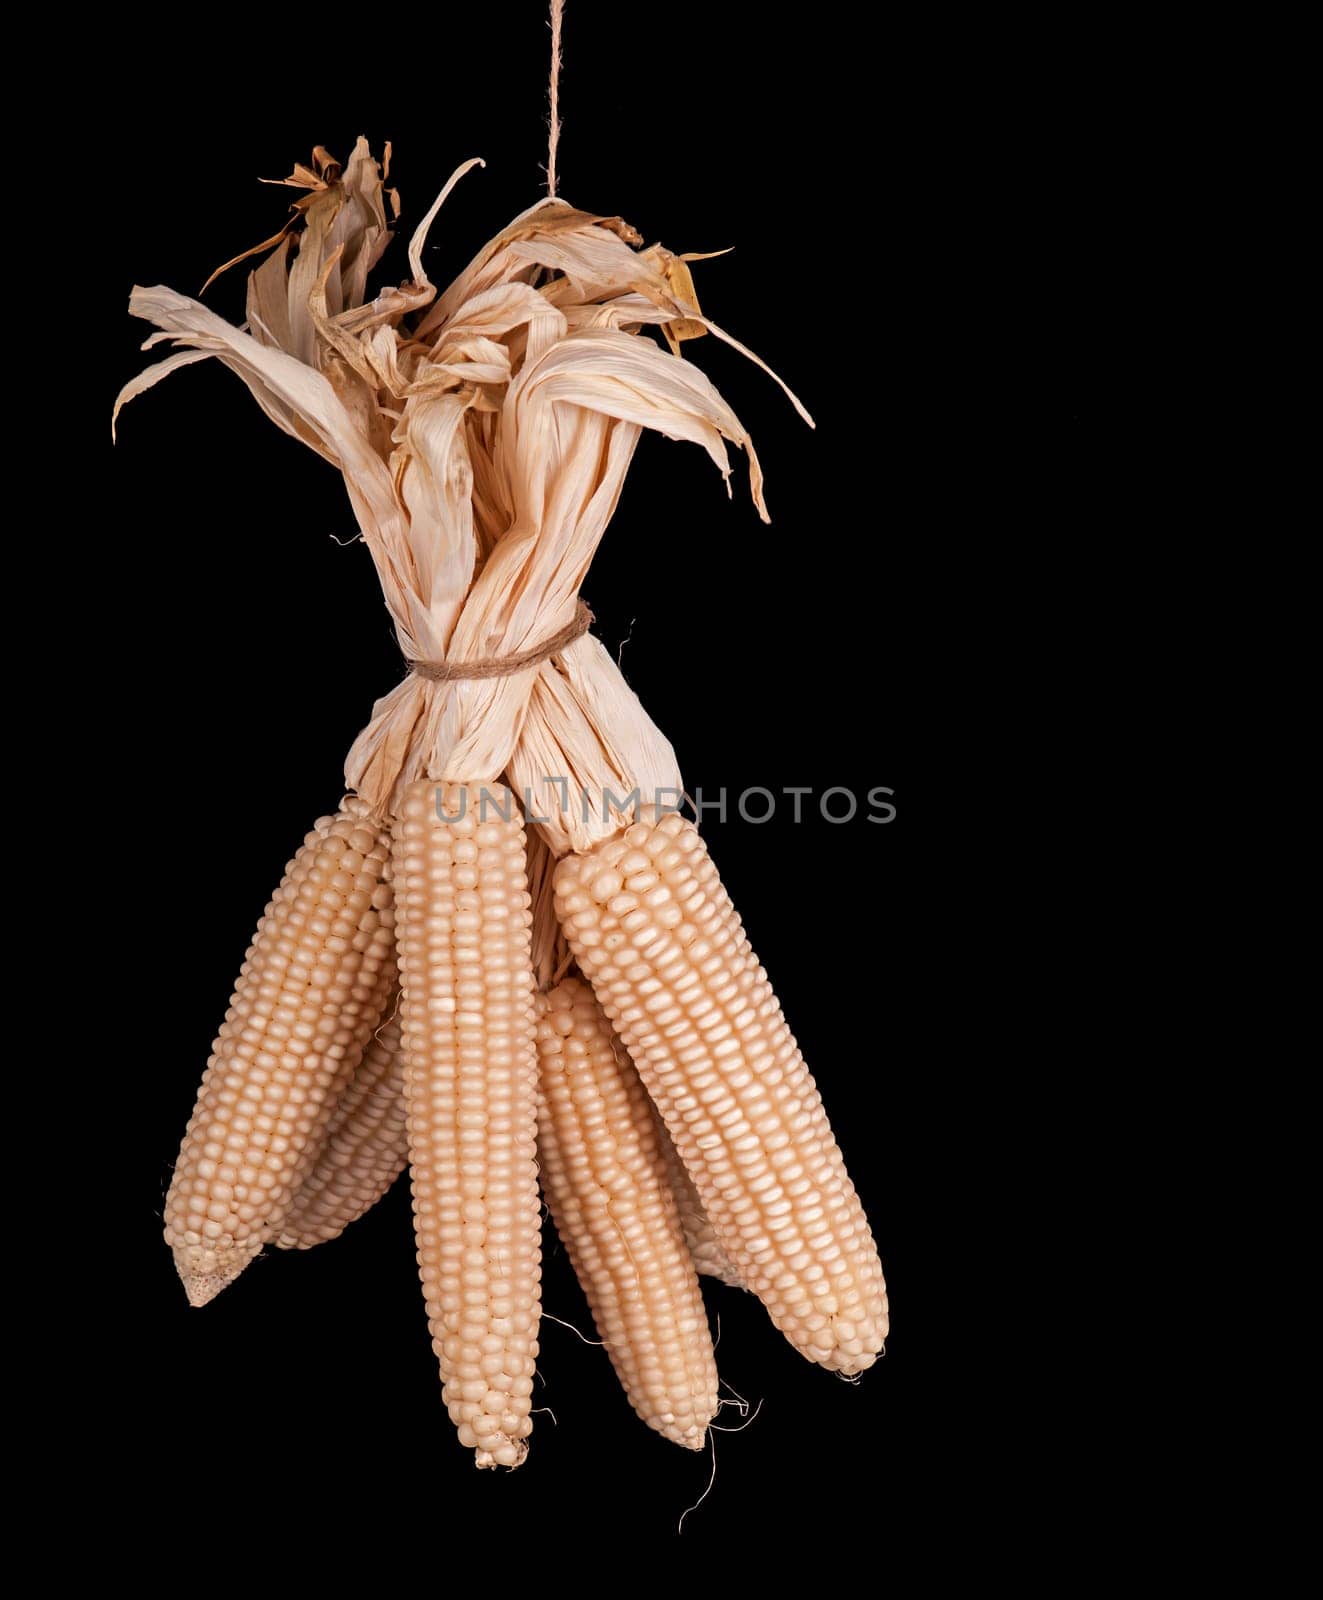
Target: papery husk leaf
(484, 433)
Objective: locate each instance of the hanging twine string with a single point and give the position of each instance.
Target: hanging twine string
(553, 138)
(504, 666)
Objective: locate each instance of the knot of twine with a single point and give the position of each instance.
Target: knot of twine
(504, 666)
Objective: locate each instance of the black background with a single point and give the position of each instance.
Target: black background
(915, 252)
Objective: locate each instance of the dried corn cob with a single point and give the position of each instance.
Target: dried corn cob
(606, 1182)
(309, 994)
(710, 1260)
(654, 930)
(462, 919)
(366, 1146)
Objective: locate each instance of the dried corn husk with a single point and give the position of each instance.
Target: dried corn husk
(484, 435)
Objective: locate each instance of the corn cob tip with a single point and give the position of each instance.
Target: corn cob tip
(487, 1458)
(203, 1287)
(204, 1273)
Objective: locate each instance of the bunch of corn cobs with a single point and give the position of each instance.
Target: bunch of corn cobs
(573, 1005)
